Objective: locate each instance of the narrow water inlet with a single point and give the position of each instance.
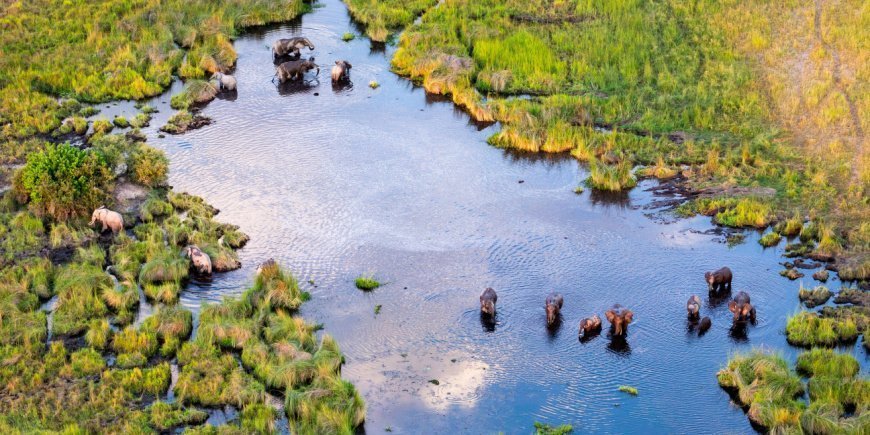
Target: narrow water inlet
(338, 181)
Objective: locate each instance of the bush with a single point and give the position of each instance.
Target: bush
(120, 122)
(367, 283)
(65, 182)
(770, 239)
(148, 166)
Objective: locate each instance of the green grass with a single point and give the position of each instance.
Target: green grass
(809, 329)
(611, 178)
(347, 37)
(814, 297)
(770, 239)
(628, 389)
(366, 282)
(546, 429)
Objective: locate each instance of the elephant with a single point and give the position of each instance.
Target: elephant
(295, 69)
(341, 71)
(693, 306)
(590, 325)
(226, 82)
(284, 47)
(704, 326)
(742, 307)
(487, 301)
(619, 318)
(200, 260)
(553, 304)
(717, 280)
(109, 219)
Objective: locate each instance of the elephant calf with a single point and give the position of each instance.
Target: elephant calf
(294, 70)
(487, 301)
(693, 306)
(719, 279)
(742, 307)
(553, 305)
(341, 71)
(284, 47)
(590, 325)
(109, 219)
(619, 318)
(226, 82)
(200, 260)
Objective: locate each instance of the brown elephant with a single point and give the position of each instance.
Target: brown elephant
(294, 69)
(719, 279)
(590, 325)
(693, 307)
(200, 261)
(704, 326)
(553, 305)
(109, 219)
(619, 318)
(341, 71)
(487, 301)
(742, 307)
(284, 47)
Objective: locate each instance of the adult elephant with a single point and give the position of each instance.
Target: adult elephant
(290, 47)
(742, 307)
(619, 318)
(200, 260)
(109, 219)
(294, 69)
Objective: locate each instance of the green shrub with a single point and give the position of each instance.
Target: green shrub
(808, 329)
(64, 182)
(194, 92)
(141, 120)
(347, 36)
(120, 122)
(154, 207)
(367, 283)
(165, 416)
(148, 166)
(102, 126)
(86, 362)
(152, 380)
(99, 333)
(770, 239)
(612, 178)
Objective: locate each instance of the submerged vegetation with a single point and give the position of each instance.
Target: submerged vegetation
(770, 392)
(703, 90)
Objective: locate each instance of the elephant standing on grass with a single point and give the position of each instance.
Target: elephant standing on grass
(109, 219)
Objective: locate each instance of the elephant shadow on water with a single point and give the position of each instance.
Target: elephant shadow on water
(718, 298)
(228, 95)
(619, 344)
(589, 336)
(488, 322)
(739, 332)
(293, 87)
(553, 329)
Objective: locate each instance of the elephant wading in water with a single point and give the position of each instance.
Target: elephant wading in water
(693, 307)
(553, 305)
(290, 47)
(109, 219)
(718, 280)
(294, 70)
(341, 71)
(226, 82)
(619, 318)
(487, 301)
(200, 260)
(741, 307)
(590, 326)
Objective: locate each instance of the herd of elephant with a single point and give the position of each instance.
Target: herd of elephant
(292, 69)
(718, 282)
(295, 68)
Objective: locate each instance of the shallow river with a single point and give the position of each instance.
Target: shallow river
(337, 182)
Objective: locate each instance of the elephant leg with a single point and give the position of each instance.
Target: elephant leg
(104, 226)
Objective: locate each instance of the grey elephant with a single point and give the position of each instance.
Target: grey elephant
(294, 70)
(341, 71)
(200, 260)
(290, 46)
(226, 82)
(109, 219)
(487, 301)
(619, 318)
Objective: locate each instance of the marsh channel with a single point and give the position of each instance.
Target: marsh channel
(335, 182)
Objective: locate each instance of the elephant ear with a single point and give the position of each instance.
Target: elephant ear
(628, 315)
(732, 306)
(610, 315)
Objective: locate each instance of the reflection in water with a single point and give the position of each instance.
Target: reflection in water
(589, 336)
(228, 95)
(488, 322)
(739, 332)
(342, 86)
(554, 329)
(619, 344)
(716, 299)
(292, 87)
(618, 200)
